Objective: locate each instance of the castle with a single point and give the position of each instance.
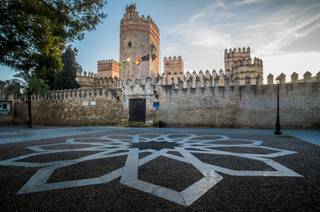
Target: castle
(132, 90)
(140, 56)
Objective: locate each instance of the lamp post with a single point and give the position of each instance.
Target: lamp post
(278, 130)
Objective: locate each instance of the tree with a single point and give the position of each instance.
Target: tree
(66, 79)
(10, 87)
(33, 35)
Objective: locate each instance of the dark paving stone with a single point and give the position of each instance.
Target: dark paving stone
(169, 173)
(204, 137)
(155, 145)
(174, 153)
(87, 169)
(57, 156)
(66, 146)
(144, 154)
(232, 162)
(249, 150)
(231, 142)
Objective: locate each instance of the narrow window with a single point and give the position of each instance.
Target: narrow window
(129, 44)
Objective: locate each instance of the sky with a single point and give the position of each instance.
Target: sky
(284, 33)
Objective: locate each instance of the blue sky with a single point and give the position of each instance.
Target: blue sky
(284, 33)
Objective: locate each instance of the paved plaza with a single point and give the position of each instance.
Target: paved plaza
(151, 169)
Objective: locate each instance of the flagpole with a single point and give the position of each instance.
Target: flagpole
(150, 62)
(140, 70)
(130, 70)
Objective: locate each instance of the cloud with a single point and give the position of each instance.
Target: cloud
(272, 29)
(243, 2)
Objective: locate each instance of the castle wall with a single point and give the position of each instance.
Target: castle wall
(199, 100)
(241, 106)
(73, 108)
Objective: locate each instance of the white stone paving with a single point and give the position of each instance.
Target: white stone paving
(120, 145)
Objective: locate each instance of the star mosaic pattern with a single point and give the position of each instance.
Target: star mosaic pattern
(186, 146)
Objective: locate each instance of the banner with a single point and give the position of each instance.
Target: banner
(156, 105)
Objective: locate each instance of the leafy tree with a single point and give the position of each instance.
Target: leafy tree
(33, 35)
(25, 86)
(66, 79)
(10, 87)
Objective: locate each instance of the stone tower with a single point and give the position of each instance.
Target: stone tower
(108, 68)
(173, 65)
(139, 38)
(235, 55)
(239, 66)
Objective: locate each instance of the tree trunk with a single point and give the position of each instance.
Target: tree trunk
(29, 111)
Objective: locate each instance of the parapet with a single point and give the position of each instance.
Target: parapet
(232, 52)
(307, 77)
(173, 65)
(191, 80)
(170, 60)
(86, 74)
(80, 94)
(103, 62)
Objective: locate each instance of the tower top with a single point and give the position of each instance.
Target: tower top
(132, 17)
(131, 7)
(131, 11)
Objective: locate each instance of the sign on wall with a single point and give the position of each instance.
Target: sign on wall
(89, 103)
(5, 108)
(156, 105)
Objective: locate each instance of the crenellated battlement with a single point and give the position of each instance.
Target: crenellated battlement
(108, 68)
(110, 61)
(281, 79)
(196, 79)
(172, 59)
(80, 94)
(173, 65)
(213, 78)
(237, 52)
(132, 17)
(86, 74)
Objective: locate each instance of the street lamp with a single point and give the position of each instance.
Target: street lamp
(278, 131)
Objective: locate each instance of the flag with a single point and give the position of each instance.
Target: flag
(154, 56)
(145, 58)
(138, 61)
(155, 105)
(124, 62)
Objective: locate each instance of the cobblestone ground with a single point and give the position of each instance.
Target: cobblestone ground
(146, 169)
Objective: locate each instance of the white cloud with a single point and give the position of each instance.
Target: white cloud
(202, 39)
(243, 2)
